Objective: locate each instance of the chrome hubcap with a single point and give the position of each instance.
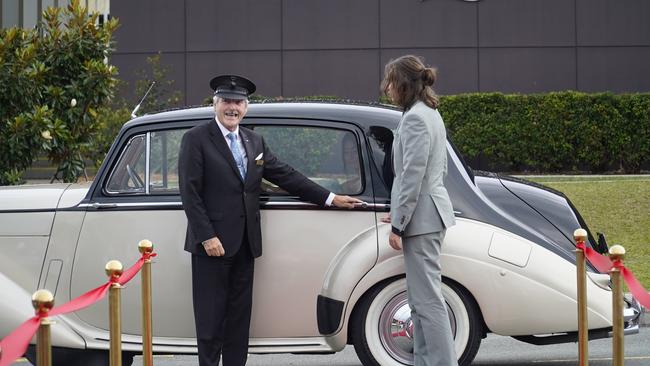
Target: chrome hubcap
(396, 328)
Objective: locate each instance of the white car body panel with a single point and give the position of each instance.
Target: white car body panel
(26, 224)
(31, 197)
(552, 304)
(22, 259)
(74, 195)
(278, 309)
(16, 307)
(528, 290)
(99, 243)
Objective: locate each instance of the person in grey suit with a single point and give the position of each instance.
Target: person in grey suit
(420, 207)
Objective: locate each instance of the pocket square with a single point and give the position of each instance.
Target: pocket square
(258, 159)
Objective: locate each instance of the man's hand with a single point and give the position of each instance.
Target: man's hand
(345, 201)
(213, 247)
(395, 241)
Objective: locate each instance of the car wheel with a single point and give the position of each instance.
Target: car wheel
(79, 357)
(382, 329)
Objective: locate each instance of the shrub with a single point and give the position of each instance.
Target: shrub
(554, 132)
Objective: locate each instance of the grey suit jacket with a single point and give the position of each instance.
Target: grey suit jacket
(420, 203)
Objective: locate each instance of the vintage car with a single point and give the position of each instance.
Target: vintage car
(328, 277)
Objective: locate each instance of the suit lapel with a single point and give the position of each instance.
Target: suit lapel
(222, 146)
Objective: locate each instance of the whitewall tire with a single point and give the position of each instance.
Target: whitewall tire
(381, 326)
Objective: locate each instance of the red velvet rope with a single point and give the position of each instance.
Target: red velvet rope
(604, 264)
(15, 344)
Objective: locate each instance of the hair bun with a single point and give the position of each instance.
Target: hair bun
(428, 76)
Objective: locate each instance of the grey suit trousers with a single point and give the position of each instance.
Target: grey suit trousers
(434, 343)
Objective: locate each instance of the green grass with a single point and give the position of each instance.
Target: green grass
(619, 207)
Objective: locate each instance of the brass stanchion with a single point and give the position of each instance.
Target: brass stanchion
(617, 253)
(580, 236)
(145, 246)
(113, 271)
(43, 301)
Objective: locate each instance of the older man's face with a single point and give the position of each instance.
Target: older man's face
(230, 111)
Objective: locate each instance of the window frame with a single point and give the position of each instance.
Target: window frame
(122, 154)
(366, 192)
(100, 195)
(161, 193)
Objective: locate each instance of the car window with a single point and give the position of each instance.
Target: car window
(329, 157)
(155, 172)
(129, 174)
(163, 164)
(381, 143)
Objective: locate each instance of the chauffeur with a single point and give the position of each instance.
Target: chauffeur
(221, 166)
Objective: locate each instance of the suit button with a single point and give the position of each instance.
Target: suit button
(242, 216)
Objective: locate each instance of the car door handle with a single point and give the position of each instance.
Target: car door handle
(100, 206)
(378, 206)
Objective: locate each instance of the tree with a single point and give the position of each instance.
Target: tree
(53, 79)
(77, 82)
(24, 124)
(162, 95)
(111, 118)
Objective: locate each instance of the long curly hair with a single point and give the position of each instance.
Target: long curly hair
(410, 80)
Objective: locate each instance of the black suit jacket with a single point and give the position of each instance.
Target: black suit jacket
(217, 201)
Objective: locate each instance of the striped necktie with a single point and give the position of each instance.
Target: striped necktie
(237, 154)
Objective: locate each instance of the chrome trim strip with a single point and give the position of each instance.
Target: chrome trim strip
(97, 205)
(147, 157)
(179, 203)
(307, 204)
(632, 317)
(376, 205)
(28, 210)
(103, 205)
(128, 204)
(294, 204)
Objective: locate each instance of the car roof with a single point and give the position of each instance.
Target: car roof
(363, 113)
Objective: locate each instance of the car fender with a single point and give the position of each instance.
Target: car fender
(521, 288)
(385, 263)
(16, 308)
(533, 297)
(348, 266)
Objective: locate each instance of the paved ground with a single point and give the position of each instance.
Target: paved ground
(494, 351)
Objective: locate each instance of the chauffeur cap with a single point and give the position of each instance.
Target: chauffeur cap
(232, 87)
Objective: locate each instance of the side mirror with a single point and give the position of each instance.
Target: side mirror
(602, 244)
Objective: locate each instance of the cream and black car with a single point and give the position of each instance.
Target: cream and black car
(328, 277)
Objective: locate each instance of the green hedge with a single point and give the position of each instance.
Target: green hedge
(555, 132)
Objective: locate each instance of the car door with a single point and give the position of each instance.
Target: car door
(302, 239)
(137, 198)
